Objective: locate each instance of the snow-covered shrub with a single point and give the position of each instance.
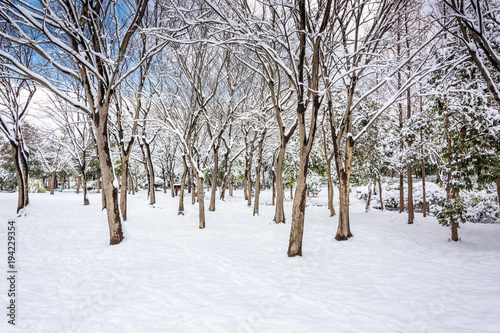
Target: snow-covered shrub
(313, 183)
(36, 186)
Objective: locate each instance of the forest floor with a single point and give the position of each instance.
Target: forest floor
(235, 276)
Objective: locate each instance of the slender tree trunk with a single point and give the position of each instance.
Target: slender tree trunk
(249, 187)
(201, 202)
(85, 199)
(98, 184)
(279, 213)
(257, 176)
(401, 193)
(424, 199)
(151, 174)
(193, 192)
(172, 183)
(263, 187)
(211, 208)
(497, 181)
(123, 187)
(380, 191)
(189, 180)
(230, 189)
(110, 191)
(78, 184)
(245, 180)
(132, 183)
(411, 210)
(291, 191)
(183, 180)
(330, 187)
(274, 189)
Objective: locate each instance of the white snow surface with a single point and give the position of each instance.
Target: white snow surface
(235, 276)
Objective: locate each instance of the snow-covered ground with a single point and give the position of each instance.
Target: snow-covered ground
(235, 276)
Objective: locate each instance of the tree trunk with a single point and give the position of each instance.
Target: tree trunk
(52, 182)
(132, 184)
(344, 230)
(201, 202)
(123, 187)
(401, 193)
(110, 191)
(98, 184)
(454, 231)
(380, 192)
(230, 189)
(85, 199)
(151, 172)
(189, 180)
(498, 190)
(214, 180)
(172, 181)
(411, 210)
(181, 194)
(274, 189)
(78, 184)
(245, 180)
(193, 192)
(257, 176)
(424, 199)
(291, 190)
(299, 207)
(249, 187)
(21, 174)
(330, 187)
(279, 214)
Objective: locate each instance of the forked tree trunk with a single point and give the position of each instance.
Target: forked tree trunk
(411, 210)
(110, 191)
(279, 213)
(181, 194)
(201, 202)
(214, 180)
